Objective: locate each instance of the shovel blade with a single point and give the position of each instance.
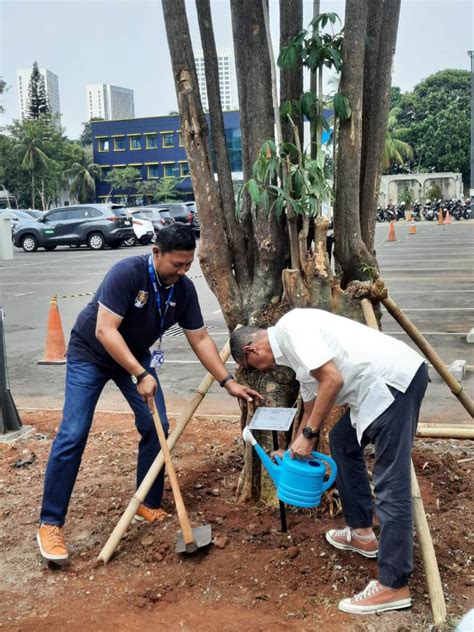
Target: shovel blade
(202, 538)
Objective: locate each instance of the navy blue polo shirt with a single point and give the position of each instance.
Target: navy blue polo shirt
(127, 291)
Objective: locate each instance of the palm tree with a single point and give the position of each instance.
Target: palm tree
(83, 177)
(395, 150)
(31, 150)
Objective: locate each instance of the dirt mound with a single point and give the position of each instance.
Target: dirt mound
(253, 577)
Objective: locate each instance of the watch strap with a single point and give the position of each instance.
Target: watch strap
(226, 379)
(309, 433)
(141, 375)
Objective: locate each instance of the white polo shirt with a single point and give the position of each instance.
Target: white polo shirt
(368, 360)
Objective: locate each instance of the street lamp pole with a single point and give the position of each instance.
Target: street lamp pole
(471, 189)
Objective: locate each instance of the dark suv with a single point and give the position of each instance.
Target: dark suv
(184, 212)
(96, 225)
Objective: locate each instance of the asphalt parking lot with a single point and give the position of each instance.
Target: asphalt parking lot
(430, 276)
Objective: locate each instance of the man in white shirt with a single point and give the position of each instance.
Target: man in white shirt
(382, 382)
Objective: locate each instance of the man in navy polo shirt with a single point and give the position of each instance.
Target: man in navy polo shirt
(138, 300)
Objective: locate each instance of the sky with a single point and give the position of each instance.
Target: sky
(123, 42)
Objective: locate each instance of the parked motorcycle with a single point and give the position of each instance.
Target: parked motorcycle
(416, 211)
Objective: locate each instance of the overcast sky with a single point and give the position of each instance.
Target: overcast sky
(123, 42)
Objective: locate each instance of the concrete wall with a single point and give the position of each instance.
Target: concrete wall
(419, 184)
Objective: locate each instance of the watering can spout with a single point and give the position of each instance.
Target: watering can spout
(272, 469)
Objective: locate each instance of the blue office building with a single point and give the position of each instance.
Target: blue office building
(153, 146)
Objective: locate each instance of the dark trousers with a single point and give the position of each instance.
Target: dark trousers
(84, 384)
(392, 435)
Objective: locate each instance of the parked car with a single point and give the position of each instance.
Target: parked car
(184, 212)
(96, 225)
(18, 216)
(165, 216)
(158, 217)
(142, 227)
(34, 213)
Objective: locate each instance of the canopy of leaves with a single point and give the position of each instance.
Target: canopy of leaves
(37, 98)
(435, 119)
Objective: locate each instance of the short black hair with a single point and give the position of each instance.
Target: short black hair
(175, 237)
(240, 338)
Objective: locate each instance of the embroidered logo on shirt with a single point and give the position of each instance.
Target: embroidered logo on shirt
(141, 298)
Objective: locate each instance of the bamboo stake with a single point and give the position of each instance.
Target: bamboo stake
(435, 587)
(446, 433)
(156, 466)
(433, 579)
(430, 353)
(424, 424)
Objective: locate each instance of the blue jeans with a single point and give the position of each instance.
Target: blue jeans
(392, 435)
(84, 384)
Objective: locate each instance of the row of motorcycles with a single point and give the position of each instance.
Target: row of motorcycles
(458, 209)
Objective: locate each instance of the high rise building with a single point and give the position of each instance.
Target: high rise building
(109, 102)
(51, 85)
(226, 81)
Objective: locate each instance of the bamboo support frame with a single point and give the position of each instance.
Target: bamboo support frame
(129, 513)
(445, 433)
(433, 579)
(429, 352)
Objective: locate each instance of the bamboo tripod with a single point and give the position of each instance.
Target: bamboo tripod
(433, 579)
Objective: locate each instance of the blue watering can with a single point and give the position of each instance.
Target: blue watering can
(299, 483)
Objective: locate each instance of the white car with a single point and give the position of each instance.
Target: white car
(142, 227)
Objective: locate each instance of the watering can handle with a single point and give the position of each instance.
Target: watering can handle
(277, 459)
(332, 476)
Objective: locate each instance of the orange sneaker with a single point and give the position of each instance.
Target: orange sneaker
(377, 598)
(347, 540)
(151, 515)
(51, 543)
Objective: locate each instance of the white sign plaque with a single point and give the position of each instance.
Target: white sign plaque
(272, 418)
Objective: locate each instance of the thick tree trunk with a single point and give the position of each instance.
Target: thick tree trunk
(215, 258)
(350, 250)
(235, 236)
(382, 29)
(291, 81)
(257, 126)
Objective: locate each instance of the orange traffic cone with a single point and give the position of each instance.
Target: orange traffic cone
(440, 216)
(412, 229)
(447, 219)
(391, 233)
(55, 348)
(408, 216)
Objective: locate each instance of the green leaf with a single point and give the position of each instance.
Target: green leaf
(254, 191)
(342, 107)
(307, 104)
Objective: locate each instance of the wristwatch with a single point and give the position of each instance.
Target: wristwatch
(226, 379)
(136, 379)
(309, 433)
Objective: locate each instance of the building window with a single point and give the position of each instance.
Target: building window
(104, 144)
(169, 170)
(184, 169)
(180, 138)
(152, 171)
(104, 172)
(168, 139)
(135, 142)
(151, 141)
(119, 143)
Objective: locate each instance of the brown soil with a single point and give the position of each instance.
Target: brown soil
(253, 577)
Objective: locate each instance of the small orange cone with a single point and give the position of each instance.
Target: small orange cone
(412, 229)
(391, 233)
(447, 218)
(408, 216)
(55, 348)
(440, 216)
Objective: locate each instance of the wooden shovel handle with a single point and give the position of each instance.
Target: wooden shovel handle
(178, 499)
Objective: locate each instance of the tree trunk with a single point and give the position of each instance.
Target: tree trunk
(234, 234)
(267, 234)
(291, 81)
(350, 251)
(33, 197)
(383, 16)
(215, 258)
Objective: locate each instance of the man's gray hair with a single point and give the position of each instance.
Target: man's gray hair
(240, 339)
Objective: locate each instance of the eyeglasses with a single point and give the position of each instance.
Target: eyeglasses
(248, 367)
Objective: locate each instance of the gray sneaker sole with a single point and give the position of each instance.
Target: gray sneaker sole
(348, 547)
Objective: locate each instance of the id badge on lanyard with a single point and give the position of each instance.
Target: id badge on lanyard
(157, 354)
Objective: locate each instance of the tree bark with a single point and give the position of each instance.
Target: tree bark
(215, 258)
(291, 81)
(235, 237)
(383, 16)
(257, 126)
(350, 250)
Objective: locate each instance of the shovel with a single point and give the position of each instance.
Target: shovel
(188, 540)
